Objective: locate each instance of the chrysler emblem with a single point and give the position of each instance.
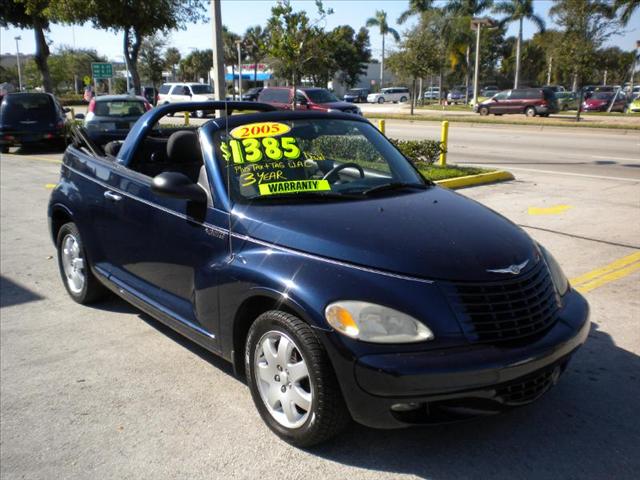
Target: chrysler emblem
(513, 269)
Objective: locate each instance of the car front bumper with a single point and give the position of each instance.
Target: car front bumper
(462, 381)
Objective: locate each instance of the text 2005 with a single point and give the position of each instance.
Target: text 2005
(256, 149)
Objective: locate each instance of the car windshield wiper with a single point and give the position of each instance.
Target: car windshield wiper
(395, 186)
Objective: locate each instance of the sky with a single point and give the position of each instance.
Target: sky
(238, 15)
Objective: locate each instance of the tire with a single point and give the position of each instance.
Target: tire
(317, 388)
(484, 111)
(381, 100)
(530, 112)
(403, 99)
(565, 108)
(199, 114)
(83, 288)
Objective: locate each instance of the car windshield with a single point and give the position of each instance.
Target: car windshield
(602, 96)
(321, 96)
(26, 105)
(119, 108)
(316, 159)
(200, 89)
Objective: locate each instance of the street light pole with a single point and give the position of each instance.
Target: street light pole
(476, 71)
(238, 43)
(17, 39)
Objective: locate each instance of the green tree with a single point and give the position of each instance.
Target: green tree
(416, 7)
(255, 47)
(152, 61)
(137, 19)
(172, 58)
(616, 62)
(586, 25)
(351, 52)
(625, 9)
(196, 65)
(380, 21)
(31, 14)
(289, 34)
(518, 11)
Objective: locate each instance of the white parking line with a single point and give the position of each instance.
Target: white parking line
(636, 160)
(556, 172)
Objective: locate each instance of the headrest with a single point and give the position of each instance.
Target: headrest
(184, 146)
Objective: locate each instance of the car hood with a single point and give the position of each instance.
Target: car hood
(595, 102)
(431, 234)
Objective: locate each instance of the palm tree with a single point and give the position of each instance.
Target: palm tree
(416, 7)
(380, 20)
(626, 9)
(470, 9)
(518, 10)
(254, 45)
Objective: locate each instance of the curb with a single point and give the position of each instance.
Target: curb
(474, 180)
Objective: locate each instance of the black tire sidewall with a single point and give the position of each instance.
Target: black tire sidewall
(277, 321)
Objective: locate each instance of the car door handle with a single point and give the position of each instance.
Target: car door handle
(112, 196)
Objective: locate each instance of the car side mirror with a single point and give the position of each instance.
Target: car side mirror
(178, 185)
(79, 116)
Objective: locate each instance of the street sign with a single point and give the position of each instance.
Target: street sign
(87, 80)
(101, 70)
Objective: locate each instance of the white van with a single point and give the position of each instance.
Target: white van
(392, 94)
(185, 92)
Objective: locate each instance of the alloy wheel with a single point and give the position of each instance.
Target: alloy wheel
(73, 263)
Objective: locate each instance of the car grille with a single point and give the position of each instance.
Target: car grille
(527, 389)
(513, 310)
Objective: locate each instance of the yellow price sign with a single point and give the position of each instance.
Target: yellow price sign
(260, 130)
(294, 186)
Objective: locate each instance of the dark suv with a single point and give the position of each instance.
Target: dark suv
(530, 101)
(308, 98)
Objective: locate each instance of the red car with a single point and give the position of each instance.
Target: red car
(599, 102)
(308, 98)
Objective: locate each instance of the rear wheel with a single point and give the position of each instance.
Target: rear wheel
(484, 111)
(530, 112)
(76, 274)
(403, 99)
(381, 100)
(291, 380)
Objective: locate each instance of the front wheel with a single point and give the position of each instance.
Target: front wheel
(484, 111)
(530, 112)
(403, 99)
(292, 381)
(381, 100)
(76, 274)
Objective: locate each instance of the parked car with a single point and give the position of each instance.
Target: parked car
(457, 95)
(567, 101)
(308, 98)
(634, 105)
(530, 101)
(392, 94)
(185, 92)
(489, 92)
(432, 93)
(32, 118)
(600, 101)
(356, 95)
(316, 270)
(252, 94)
(110, 117)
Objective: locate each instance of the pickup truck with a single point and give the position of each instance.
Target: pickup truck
(305, 249)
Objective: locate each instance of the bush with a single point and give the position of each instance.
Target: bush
(71, 99)
(420, 152)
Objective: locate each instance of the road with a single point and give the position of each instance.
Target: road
(595, 152)
(108, 392)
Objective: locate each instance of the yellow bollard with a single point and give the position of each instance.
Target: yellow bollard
(444, 137)
(381, 126)
(186, 118)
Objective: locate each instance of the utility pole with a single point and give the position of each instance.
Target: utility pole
(17, 39)
(604, 80)
(218, 58)
(549, 70)
(238, 44)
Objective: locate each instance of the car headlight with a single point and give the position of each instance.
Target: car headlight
(557, 275)
(374, 323)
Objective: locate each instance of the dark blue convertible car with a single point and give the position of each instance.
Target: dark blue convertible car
(306, 250)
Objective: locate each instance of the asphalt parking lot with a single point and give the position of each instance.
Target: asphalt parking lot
(108, 392)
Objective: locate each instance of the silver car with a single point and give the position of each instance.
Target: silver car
(110, 117)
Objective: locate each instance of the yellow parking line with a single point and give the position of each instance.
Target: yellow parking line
(554, 210)
(34, 158)
(613, 271)
(50, 186)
